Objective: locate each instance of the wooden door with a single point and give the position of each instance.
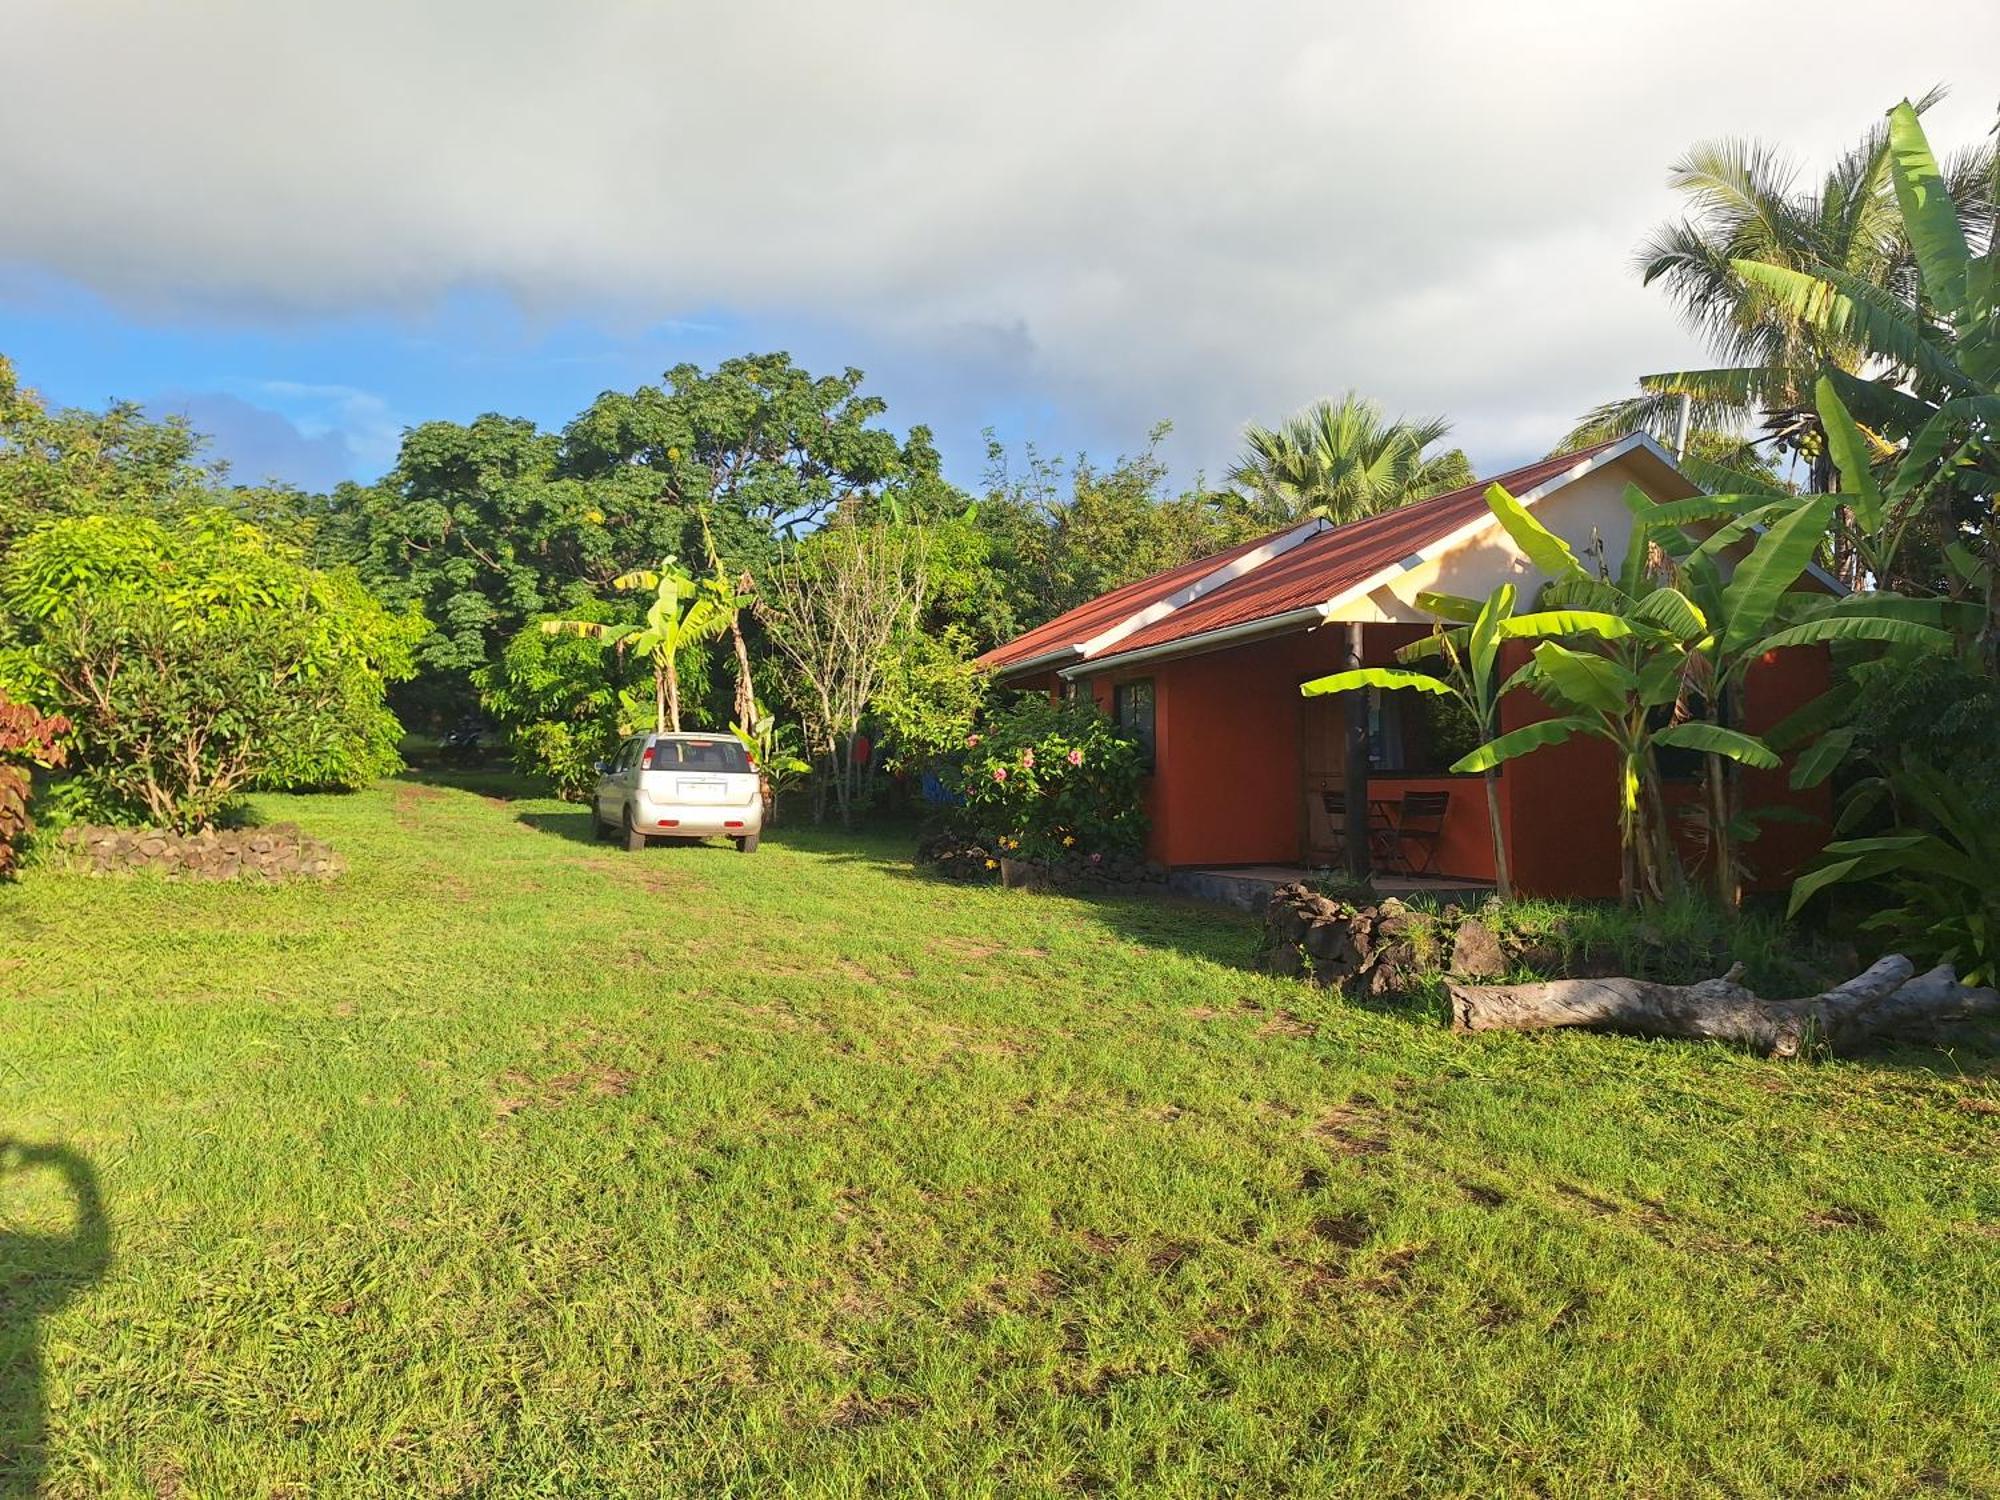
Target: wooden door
(1323, 768)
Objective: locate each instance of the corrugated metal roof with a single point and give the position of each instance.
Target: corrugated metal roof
(1315, 571)
(1086, 620)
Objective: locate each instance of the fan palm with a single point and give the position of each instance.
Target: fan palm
(1345, 460)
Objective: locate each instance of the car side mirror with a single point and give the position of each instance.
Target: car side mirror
(601, 766)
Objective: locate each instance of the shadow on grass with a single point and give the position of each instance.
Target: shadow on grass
(39, 1272)
(577, 826)
(495, 781)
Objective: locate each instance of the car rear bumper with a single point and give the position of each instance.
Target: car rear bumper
(697, 819)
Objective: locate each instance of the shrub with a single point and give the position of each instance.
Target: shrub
(564, 701)
(197, 658)
(1051, 781)
(27, 739)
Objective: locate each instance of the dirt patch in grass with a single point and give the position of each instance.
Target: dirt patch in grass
(1284, 1023)
(409, 797)
(1353, 1130)
(1350, 1231)
(1836, 1217)
(517, 1091)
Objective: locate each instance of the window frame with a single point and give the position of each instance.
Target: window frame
(1149, 741)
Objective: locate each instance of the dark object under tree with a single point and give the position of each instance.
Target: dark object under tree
(1888, 1001)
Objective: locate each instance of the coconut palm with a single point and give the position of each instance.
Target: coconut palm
(1345, 460)
(1747, 206)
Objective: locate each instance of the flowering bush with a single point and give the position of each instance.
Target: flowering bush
(27, 739)
(1054, 781)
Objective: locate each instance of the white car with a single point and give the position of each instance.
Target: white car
(680, 786)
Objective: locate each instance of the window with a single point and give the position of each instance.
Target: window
(1132, 708)
(1417, 734)
(702, 755)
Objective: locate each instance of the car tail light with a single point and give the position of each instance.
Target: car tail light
(646, 760)
(733, 823)
(670, 822)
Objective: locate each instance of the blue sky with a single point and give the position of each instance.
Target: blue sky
(307, 226)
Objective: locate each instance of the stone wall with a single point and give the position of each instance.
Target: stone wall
(961, 859)
(1373, 949)
(279, 852)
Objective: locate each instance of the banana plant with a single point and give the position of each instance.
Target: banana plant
(773, 750)
(1470, 657)
(1940, 396)
(1642, 672)
(682, 615)
(1726, 625)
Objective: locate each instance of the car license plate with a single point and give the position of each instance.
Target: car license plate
(702, 791)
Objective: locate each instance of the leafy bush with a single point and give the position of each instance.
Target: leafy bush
(1937, 864)
(1049, 781)
(197, 658)
(564, 700)
(929, 699)
(27, 739)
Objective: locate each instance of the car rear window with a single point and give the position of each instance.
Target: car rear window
(700, 755)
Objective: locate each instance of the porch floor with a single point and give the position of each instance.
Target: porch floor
(1248, 887)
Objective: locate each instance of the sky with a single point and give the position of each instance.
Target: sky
(309, 226)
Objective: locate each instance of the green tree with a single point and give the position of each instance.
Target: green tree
(1345, 460)
(1931, 419)
(69, 463)
(1063, 533)
(474, 526)
(197, 657)
(562, 698)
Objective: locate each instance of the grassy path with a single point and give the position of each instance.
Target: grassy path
(510, 1164)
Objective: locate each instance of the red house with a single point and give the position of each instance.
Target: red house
(1204, 662)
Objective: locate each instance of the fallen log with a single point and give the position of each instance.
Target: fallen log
(1887, 1000)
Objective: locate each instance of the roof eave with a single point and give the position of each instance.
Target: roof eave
(1312, 616)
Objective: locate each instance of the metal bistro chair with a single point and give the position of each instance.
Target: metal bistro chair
(1381, 836)
(1420, 822)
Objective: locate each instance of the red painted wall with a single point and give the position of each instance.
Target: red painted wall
(1227, 788)
(1562, 800)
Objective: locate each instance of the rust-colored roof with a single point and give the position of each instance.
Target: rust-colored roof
(1313, 572)
(1086, 620)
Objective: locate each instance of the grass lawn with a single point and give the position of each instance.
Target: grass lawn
(511, 1164)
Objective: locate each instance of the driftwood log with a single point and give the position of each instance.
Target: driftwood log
(1889, 1000)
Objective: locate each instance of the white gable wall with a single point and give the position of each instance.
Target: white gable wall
(1588, 513)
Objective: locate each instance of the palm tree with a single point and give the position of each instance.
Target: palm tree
(1346, 461)
(1747, 206)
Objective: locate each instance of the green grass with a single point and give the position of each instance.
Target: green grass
(511, 1164)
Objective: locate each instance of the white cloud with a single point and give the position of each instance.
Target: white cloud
(1134, 210)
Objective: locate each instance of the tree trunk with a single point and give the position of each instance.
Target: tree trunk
(746, 695)
(673, 680)
(1503, 873)
(1887, 1000)
(1721, 841)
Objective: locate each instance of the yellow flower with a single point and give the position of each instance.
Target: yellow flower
(992, 864)
(1069, 842)
(594, 516)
